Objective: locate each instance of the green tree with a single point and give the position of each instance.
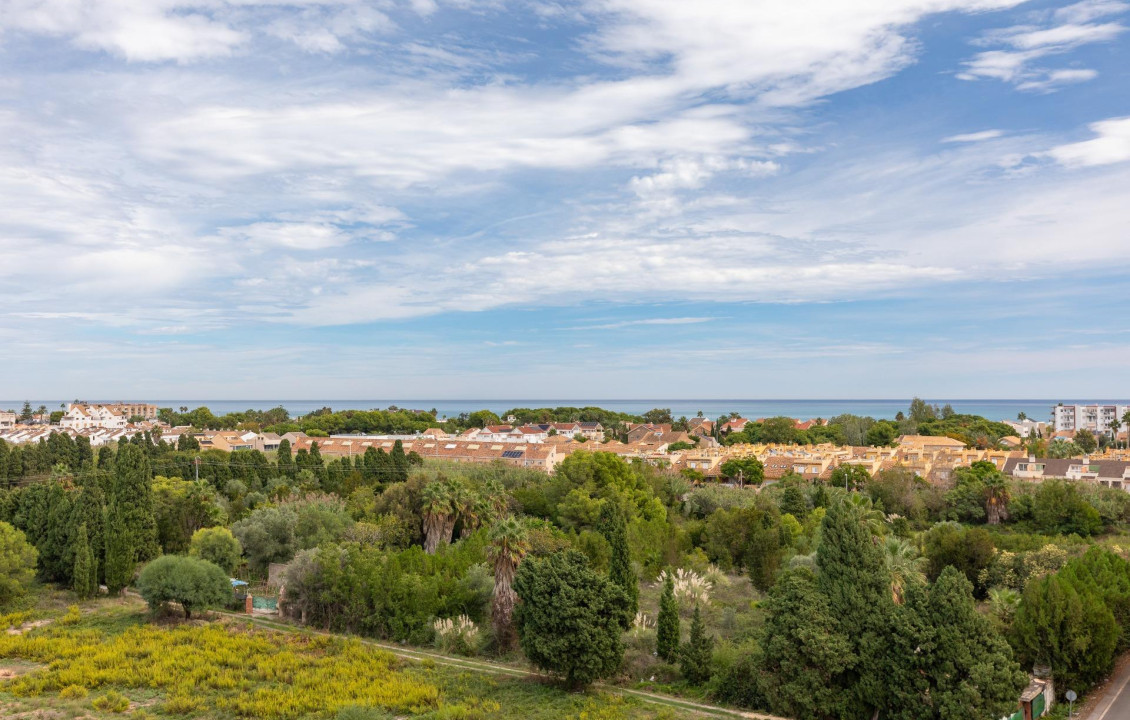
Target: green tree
(89, 510)
(1072, 631)
(667, 625)
(696, 656)
(132, 492)
(189, 581)
(121, 556)
(853, 576)
(804, 651)
(970, 550)
(882, 434)
(614, 528)
(1085, 439)
(400, 464)
(84, 578)
(850, 476)
(17, 563)
(568, 619)
(509, 543)
(968, 670)
(218, 546)
(747, 470)
(284, 458)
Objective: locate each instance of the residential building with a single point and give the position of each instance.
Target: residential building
(80, 416)
(1109, 473)
(1096, 418)
(7, 419)
(130, 410)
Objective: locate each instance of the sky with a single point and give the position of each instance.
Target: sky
(542, 198)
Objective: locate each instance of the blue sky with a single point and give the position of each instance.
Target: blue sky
(601, 198)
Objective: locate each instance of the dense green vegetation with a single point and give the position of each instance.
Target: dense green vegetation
(803, 599)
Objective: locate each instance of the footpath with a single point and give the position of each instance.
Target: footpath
(507, 671)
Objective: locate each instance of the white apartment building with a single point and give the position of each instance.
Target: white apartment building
(7, 419)
(84, 417)
(1096, 418)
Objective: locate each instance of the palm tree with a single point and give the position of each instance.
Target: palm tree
(439, 514)
(508, 545)
(1003, 602)
(997, 495)
(904, 565)
(869, 516)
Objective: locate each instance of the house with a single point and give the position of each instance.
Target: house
(636, 433)
(7, 419)
(735, 425)
(80, 416)
(592, 431)
(1012, 442)
(930, 442)
(267, 442)
(1108, 473)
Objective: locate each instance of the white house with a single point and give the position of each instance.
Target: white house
(83, 417)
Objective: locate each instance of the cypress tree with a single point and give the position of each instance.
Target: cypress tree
(615, 530)
(803, 649)
(120, 551)
(84, 578)
(667, 625)
(698, 654)
(399, 462)
(285, 460)
(854, 578)
(55, 559)
(132, 492)
(89, 510)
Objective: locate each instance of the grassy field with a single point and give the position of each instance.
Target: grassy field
(110, 659)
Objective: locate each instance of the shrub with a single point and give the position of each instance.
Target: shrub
(216, 545)
(113, 701)
(189, 581)
(17, 563)
(73, 616)
(73, 692)
(182, 704)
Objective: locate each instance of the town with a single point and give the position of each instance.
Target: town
(1087, 442)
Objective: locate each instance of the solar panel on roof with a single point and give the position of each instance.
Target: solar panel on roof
(512, 454)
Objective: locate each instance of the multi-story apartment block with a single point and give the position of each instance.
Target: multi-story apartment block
(7, 419)
(1096, 418)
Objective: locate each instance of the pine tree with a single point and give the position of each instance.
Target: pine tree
(614, 528)
(667, 625)
(84, 578)
(132, 493)
(120, 551)
(698, 654)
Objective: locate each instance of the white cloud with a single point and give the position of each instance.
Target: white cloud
(1029, 43)
(1088, 10)
(1111, 146)
(974, 136)
(646, 321)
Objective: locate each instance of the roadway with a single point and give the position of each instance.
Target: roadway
(1115, 701)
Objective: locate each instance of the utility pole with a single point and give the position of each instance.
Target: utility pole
(196, 468)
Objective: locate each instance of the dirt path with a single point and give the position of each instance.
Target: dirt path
(497, 669)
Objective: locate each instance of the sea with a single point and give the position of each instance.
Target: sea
(712, 408)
